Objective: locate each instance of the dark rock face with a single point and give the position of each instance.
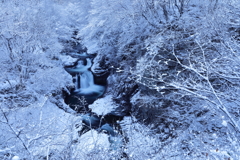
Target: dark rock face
(100, 70)
(101, 79)
(123, 90)
(94, 121)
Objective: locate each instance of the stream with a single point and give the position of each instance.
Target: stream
(85, 92)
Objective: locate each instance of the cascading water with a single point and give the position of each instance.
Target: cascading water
(87, 86)
(86, 80)
(84, 84)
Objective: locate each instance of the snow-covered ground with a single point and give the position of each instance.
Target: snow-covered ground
(36, 130)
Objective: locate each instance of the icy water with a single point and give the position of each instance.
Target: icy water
(85, 88)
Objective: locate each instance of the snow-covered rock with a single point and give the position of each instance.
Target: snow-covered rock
(91, 143)
(103, 105)
(15, 158)
(67, 60)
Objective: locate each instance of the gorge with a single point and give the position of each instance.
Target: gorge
(86, 92)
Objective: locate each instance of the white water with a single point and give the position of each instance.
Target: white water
(86, 80)
(87, 86)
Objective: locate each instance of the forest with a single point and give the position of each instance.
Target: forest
(120, 80)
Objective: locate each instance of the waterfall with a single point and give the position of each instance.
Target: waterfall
(77, 81)
(86, 80)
